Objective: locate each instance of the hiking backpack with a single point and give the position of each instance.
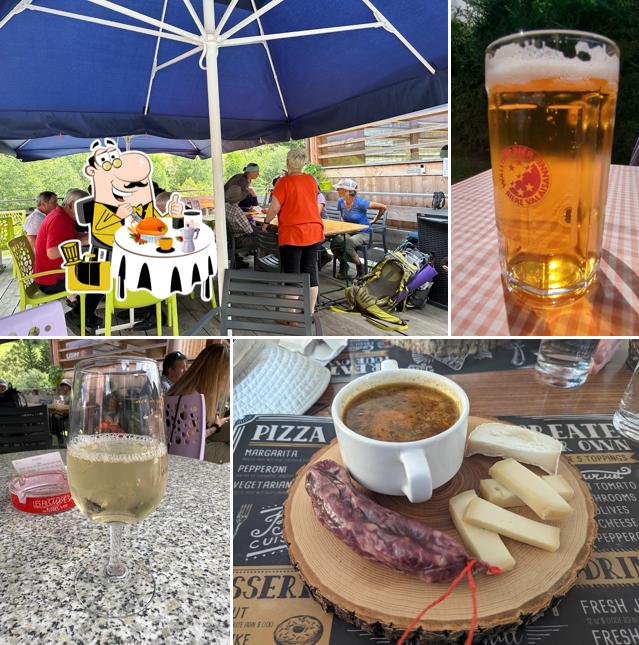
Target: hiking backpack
(373, 295)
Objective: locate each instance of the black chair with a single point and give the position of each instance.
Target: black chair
(379, 229)
(254, 302)
(332, 212)
(234, 251)
(24, 428)
(267, 254)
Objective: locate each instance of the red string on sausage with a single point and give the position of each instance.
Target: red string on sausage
(466, 571)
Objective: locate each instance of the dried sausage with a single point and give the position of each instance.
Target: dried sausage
(378, 533)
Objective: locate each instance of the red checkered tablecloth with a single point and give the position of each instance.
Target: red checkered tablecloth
(481, 306)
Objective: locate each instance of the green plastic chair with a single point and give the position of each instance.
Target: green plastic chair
(30, 294)
(6, 234)
(137, 300)
(18, 217)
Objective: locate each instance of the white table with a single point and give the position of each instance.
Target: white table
(136, 266)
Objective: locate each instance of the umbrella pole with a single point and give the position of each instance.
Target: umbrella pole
(215, 128)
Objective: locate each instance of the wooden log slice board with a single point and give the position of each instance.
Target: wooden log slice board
(384, 602)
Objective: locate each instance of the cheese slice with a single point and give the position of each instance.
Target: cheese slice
(531, 489)
(496, 493)
(487, 516)
(480, 543)
(526, 446)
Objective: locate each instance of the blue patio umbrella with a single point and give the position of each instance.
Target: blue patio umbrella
(238, 69)
(62, 145)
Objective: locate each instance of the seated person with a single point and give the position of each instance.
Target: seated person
(210, 375)
(9, 397)
(237, 224)
(243, 180)
(64, 389)
(47, 201)
(162, 200)
(352, 208)
(173, 366)
(59, 226)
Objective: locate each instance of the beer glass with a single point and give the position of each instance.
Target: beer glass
(551, 111)
(117, 469)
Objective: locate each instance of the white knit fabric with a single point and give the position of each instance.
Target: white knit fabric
(268, 379)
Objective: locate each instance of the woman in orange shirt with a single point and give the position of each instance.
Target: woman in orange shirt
(300, 230)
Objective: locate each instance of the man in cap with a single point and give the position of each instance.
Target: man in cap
(243, 180)
(64, 389)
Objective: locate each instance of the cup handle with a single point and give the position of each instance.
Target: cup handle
(388, 364)
(419, 483)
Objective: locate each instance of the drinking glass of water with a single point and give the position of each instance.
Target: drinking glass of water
(117, 469)
(626, 417)
(565, 363)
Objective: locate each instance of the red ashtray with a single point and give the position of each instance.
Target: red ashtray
(41, 493)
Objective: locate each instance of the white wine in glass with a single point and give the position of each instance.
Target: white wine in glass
(117, 468)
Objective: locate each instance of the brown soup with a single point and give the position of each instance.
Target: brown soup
(401, 412)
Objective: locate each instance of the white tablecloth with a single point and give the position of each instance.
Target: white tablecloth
(136, 266)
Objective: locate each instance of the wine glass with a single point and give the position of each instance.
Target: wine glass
(117, 467)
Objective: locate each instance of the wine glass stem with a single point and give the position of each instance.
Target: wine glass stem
(115, 567)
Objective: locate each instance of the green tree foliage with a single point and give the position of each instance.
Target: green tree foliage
(27, 364)
(480, 22)
(21, 181)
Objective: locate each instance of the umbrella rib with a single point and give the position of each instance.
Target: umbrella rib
(254, 40)
(270, 60)
(143, 18)
(154, 67)
(192, 40)
(249, 19)
(177, 59)
(388, 25)
(196, 18)
(225, 16)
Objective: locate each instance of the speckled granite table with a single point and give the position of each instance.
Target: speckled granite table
(185, 542)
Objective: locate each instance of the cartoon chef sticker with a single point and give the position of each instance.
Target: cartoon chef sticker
(121, 186)
(133, 245)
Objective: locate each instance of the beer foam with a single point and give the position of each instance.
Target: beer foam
(103, 447)
(513, 64)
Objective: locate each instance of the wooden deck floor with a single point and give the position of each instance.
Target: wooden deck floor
(430, 321)
(190, 311)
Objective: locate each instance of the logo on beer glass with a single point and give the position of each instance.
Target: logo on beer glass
(523, 175)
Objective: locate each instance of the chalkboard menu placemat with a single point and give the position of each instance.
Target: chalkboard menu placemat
(271, 603)
(363, 356)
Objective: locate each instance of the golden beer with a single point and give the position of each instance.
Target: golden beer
(117, 477)
(551, 109)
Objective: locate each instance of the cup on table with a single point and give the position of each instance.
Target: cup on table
(626, 416)
(165, 243)
(551, 113)
(565, 363)
(410, 468)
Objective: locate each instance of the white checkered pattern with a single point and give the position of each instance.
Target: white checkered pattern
(480, 305)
